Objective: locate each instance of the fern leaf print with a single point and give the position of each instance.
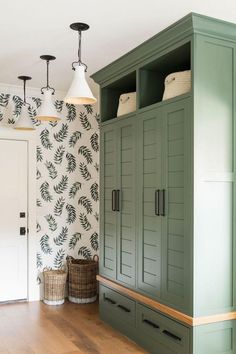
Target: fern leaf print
(4, 99)
(85, 252)
(86, 153)
(45, 194)
(86, 203)
(44, 137)
(94, 241)
(74, 240)
(62, 185)
(84, 121)
(51, 169)
(94, 191)
(71, 115)
(84, 171)
(59, 105)
(62, 134)
(94, 142)
(52, 224)
(62, 237)
(71, 217)
(44, 244)
(58, 156)
(76, 186)
(58, 208)
(84, 222)
(71, 163)
(59, 259)
(89, 108)
(39, 154)
(74, 138)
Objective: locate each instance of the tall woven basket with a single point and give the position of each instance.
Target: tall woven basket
(54, 286)
(82, 280)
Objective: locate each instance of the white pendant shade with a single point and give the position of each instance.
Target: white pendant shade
(79, 91)
(47, 111)
(24, 121)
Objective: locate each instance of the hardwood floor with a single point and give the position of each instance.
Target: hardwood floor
(35, 328)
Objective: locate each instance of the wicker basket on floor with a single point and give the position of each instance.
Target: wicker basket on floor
(82, 280)
(54, 286)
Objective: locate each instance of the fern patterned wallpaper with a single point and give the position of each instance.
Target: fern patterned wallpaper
(67, 179)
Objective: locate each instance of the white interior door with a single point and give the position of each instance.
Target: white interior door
(13, 219)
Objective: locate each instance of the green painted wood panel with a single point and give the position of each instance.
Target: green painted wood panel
(149, 172)
(159, 334)
(108, 218)
(217, 338)
(126, 237)
(214, 178)
(176, 230)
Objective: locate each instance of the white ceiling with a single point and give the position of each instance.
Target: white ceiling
(30, 28)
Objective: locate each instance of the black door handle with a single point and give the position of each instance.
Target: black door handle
(113, 200)
(157, 202)
(123, 308)
(117, 200)
(150, 323)
(171, 335)
(163, 212)
(109, 300)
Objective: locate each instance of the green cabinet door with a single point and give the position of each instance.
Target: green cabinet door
(108, 217)
(150, 184)
(126, 136)
(177, 222)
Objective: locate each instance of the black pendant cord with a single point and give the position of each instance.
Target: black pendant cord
(79, 61)
(24, 79)
(24, 88)
(48, 87)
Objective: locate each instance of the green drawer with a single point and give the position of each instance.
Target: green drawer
(118, 310)
(159, 334)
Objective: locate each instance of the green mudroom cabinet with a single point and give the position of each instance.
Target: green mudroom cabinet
(167, 192)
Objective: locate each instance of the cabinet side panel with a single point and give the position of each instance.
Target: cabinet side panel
(215, 338)
(213, 176)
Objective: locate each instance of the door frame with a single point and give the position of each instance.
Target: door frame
(30, 137)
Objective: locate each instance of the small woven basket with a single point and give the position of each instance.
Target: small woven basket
(82, 280)
(54, 286)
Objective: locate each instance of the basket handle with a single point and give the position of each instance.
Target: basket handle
(96, 258)
(69, 259)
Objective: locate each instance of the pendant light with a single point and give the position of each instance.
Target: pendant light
(24, 122)
(47, 111)
(79, 91)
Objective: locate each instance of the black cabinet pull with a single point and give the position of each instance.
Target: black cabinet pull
(163, 212)
(157, 202)
(109, 300)
(117, 200)
(113, 200)
(123, 308)
(171, 335)
(150, 323)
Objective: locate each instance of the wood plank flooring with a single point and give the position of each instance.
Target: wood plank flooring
(35, 328)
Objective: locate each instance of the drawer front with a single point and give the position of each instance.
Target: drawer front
(160, 334)
(118, 307)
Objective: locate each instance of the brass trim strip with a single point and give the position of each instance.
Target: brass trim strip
(197, 321)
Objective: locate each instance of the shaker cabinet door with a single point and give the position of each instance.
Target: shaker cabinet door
(108, 215)
(149, 204)
(177, 223)
(127, 188)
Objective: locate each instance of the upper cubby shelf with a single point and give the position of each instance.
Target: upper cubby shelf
(110, 95)
(152, 75)
(147, 80)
